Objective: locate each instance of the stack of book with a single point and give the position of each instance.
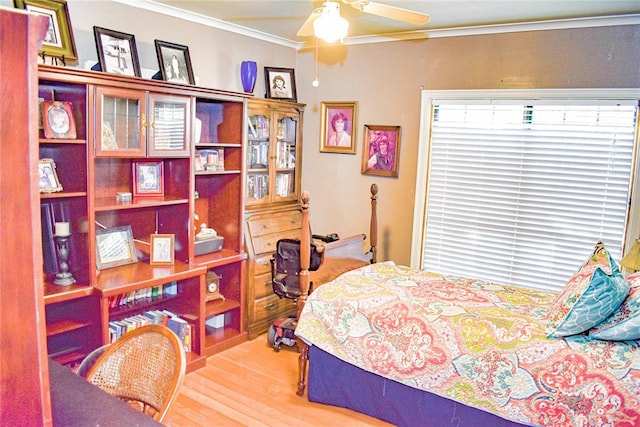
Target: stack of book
(177, 324)
(145, 294)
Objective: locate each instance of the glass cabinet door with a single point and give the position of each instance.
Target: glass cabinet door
(258, 156)
(168, 128)
(285, 157)
(120, 123)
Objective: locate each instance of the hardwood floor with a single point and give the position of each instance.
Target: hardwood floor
(253, 385)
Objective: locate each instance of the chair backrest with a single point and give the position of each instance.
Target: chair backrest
(145, 367)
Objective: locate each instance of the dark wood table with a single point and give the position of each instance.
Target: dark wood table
(76, 402)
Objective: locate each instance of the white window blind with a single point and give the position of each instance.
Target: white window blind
(519, 193)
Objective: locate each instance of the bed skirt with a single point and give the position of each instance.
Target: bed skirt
(334, 382)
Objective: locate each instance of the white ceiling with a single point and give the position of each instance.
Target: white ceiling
(281, 19)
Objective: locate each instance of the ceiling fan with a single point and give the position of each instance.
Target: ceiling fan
(330, 12)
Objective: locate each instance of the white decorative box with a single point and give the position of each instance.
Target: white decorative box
(209, 245)
(215, 322)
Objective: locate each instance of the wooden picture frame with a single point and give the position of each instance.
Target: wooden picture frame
(381, 150)
(280, 83)
(58, 42)
(175, 62)
(339, 121)
(114, 247)
(162, 249)
(57, 120)
(148, 178)
(117, 52)
(48, 176)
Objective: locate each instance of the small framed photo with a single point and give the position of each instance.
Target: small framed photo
(280, 83)
(175, 62)
(114, 247)
(162, 246)
(58, 42)
(148, 178)
(117, 52)
(338, 125)
(48, 177)
(57, 118)
(381, 150)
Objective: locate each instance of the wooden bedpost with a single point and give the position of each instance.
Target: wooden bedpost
(373, 227)
(305, 254)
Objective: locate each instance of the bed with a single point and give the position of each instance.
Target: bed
(419, 348)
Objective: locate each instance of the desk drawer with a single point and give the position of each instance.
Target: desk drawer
(272, 307)
(267, 243)
(262, 286)
(262, 264)
(262, 226)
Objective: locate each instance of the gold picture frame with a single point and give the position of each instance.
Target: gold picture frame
(339, 121)
(48, 176)
(381, 150)
(59, 42)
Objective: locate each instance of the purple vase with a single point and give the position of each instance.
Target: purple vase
(248, 75)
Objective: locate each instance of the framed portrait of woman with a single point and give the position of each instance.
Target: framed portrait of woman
(338, 125)
(280, 83)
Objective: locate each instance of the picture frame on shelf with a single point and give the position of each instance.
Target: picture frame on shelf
(114, 247)
(48, 181)
(339, 121)
(280, 83)
(148, 178)
(175, 62)
(49, 255)
(381, 150)
(58, 43)
(117, 52)
(162, 249)
(58, 121)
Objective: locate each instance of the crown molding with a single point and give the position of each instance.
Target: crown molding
(556, 24)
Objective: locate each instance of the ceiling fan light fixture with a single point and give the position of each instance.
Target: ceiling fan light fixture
(330, 26)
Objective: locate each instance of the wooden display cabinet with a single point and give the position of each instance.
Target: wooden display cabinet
(274, 153)
(135, 123)
(121, 121)
(218, 205)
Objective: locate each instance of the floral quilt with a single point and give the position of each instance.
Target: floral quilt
(479, 343)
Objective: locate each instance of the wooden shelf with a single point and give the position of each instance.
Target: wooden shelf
(216, 307)
(222, 257)
(67, 356)
(63, 194)
(65, 325)
(110, 204)
(224, 172)
(140, 275)
(63, 141)
(54, 293)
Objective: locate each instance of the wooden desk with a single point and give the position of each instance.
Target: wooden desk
(76, 402)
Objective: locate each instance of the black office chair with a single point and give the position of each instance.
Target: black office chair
(285, 272)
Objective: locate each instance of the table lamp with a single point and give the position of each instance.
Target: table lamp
(632, 260)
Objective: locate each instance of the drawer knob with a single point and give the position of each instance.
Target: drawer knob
(270, 306)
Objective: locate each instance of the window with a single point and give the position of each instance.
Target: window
(519, 190)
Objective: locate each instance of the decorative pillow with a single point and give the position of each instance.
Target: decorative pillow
(624, 324)
(589, 297)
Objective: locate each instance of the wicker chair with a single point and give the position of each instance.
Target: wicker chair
(145, 367)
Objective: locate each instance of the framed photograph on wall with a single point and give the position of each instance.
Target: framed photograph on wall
(280, 83)
(162, 249)
(58, 121)
(58, 42)
(175, 62)
(381, 150)
(339, 121)
(117, 52)
(148, 178)
(48, 177)
(114, 247)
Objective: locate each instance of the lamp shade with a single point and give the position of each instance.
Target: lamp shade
(632, 260)
(330, 26)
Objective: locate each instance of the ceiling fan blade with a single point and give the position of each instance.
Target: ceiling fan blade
(307, 28)
(391, 12)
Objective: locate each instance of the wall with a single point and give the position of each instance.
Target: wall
(385, 79)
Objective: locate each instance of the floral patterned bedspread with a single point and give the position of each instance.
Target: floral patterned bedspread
(481, 344)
